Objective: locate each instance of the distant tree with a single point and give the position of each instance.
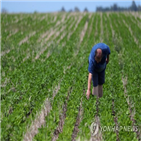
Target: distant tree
(99, 9)
(70, 10)
(63, 9)
(133, 6)
(114, 7)
(76, 9)
(35, 12)
(4, 11)
(106, 9)
(85, 10)
(139, 8)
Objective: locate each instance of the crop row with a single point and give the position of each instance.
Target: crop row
(49, 131)
(39, 83)
(62, 63)
(131, 68)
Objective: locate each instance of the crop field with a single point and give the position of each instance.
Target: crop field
(44, 76)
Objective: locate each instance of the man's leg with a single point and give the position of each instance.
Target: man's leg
(101, 81)
(95, 91)
(95, 83)
(100, 90)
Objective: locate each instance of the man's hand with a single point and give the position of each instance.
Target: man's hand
(88, 94)
(107, 61)
(89, 85)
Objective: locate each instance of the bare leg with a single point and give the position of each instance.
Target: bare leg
(100, 90)
(95, 91)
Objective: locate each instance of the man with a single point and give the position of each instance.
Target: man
(98, 58)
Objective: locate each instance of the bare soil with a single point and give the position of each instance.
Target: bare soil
(26, 38)
(98, 136)
(59, 129)
(78, 120)
(135, 39)
(38, 122)
(130, 104)
(115, 119)
(40, 118)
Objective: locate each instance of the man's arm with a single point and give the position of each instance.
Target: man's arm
(89, 85)
(108, 53)
(107, 59)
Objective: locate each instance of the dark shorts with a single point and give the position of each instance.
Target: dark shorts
(98, 78)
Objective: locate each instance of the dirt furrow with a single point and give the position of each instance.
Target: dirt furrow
(128, 15)
(90, 27)
(40, 53)
(40, 118)
(58, 41)
(44, 49)
(65, 69)
(49, 31)
(136, 15)
(27, 56)
(14, 32)
(113, 104)
(5, 82)
(101, 37)
(96, 30)
(62, 36)
(58, 32)
(135, 39)
(130, 104)
(54, 19)
(63, 18)
(113, 32)
(26, 38)
(5, 52)
(42, 18)
(115, 119)
(73, 23)
(97, 136)
(43, 35)
(137, 23)
(59, 22)
(48, 37)
(38, 122)
(83, 32)
(59, 129)
(75, 27)
(81, 37)
(78, 120)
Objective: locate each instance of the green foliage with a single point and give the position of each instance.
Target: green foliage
(60, 74)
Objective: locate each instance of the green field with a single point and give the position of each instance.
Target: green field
(44, 75)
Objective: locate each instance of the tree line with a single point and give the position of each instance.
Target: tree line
(115, 8)
(76, 9)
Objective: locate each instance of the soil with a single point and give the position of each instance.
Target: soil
(130, 104)
(59, 129)
(78, 120)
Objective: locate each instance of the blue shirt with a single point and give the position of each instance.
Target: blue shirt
(93, 65)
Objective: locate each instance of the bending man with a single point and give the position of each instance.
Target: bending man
(98, 59)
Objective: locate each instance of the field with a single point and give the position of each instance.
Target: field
(44, 71)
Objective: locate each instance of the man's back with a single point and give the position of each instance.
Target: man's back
(102, 64)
